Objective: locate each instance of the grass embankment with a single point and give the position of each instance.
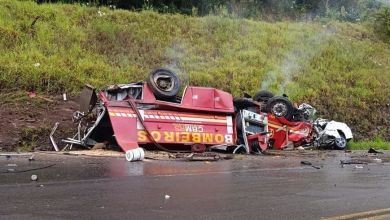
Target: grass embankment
(364, 145)
(340, 68)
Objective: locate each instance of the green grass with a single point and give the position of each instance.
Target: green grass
(340, 68)
(31, 138)
(365, 145)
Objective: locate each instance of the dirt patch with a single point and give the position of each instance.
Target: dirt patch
(26, 121)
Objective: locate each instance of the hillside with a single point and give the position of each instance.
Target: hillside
(340, 68)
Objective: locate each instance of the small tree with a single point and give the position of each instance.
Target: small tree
(382, 24)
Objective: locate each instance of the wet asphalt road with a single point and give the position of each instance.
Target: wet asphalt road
(267, 187)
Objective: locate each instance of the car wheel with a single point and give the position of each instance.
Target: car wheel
(280, 107)
(340, 143)
(164, 83)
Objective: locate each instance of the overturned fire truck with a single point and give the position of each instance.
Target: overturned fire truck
(151, 114)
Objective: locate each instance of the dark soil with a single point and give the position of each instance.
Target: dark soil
(26, 122)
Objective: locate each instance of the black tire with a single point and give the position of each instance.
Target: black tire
(243, 103)
(263, 96)
(340, 143)
(280, 107)
(164, 83)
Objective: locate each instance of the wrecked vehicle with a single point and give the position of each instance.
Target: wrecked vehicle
(331, 133)
(151, 115)
(296, 125)
(288, 125)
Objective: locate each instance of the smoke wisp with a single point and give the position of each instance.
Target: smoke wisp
(295, 60)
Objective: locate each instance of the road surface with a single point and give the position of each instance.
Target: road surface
(249, 187)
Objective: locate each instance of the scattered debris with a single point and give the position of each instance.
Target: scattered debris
(308, 163)
(377, 160)
(358, 167)
(373, 151)
(31, 158)
(101, 14)
(99, 146)
(137, 154)
(352, 162)
(33, 94)
(203, 157)
(34, 177)
(167, 197)
(11, 165)
(27, 170)
(52, 141)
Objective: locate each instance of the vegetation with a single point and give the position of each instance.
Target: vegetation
(365, 145)
(31, 138)
(382, 24)
(341, 68)
(345, 10)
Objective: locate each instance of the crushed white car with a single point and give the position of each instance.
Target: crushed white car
(329, 133)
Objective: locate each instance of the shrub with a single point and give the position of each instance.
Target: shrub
(382, 24)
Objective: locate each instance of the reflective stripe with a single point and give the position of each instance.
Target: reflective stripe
(202, 119)
(226, 119)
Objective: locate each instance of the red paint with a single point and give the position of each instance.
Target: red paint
(201, 117)
(298, 132)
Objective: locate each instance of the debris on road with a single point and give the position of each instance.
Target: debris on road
(352, 161)
(203, 157)
(31, 158)
(373, 151)
(11, 165)
(27, 170)
(308, 163)
(34, 177)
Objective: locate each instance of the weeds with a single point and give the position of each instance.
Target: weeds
(365, 145)
(31, 138)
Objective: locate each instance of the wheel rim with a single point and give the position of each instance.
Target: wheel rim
(279, 109)
(164, 82)
(340, 142)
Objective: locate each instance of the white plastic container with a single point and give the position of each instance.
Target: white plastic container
(137, 154)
